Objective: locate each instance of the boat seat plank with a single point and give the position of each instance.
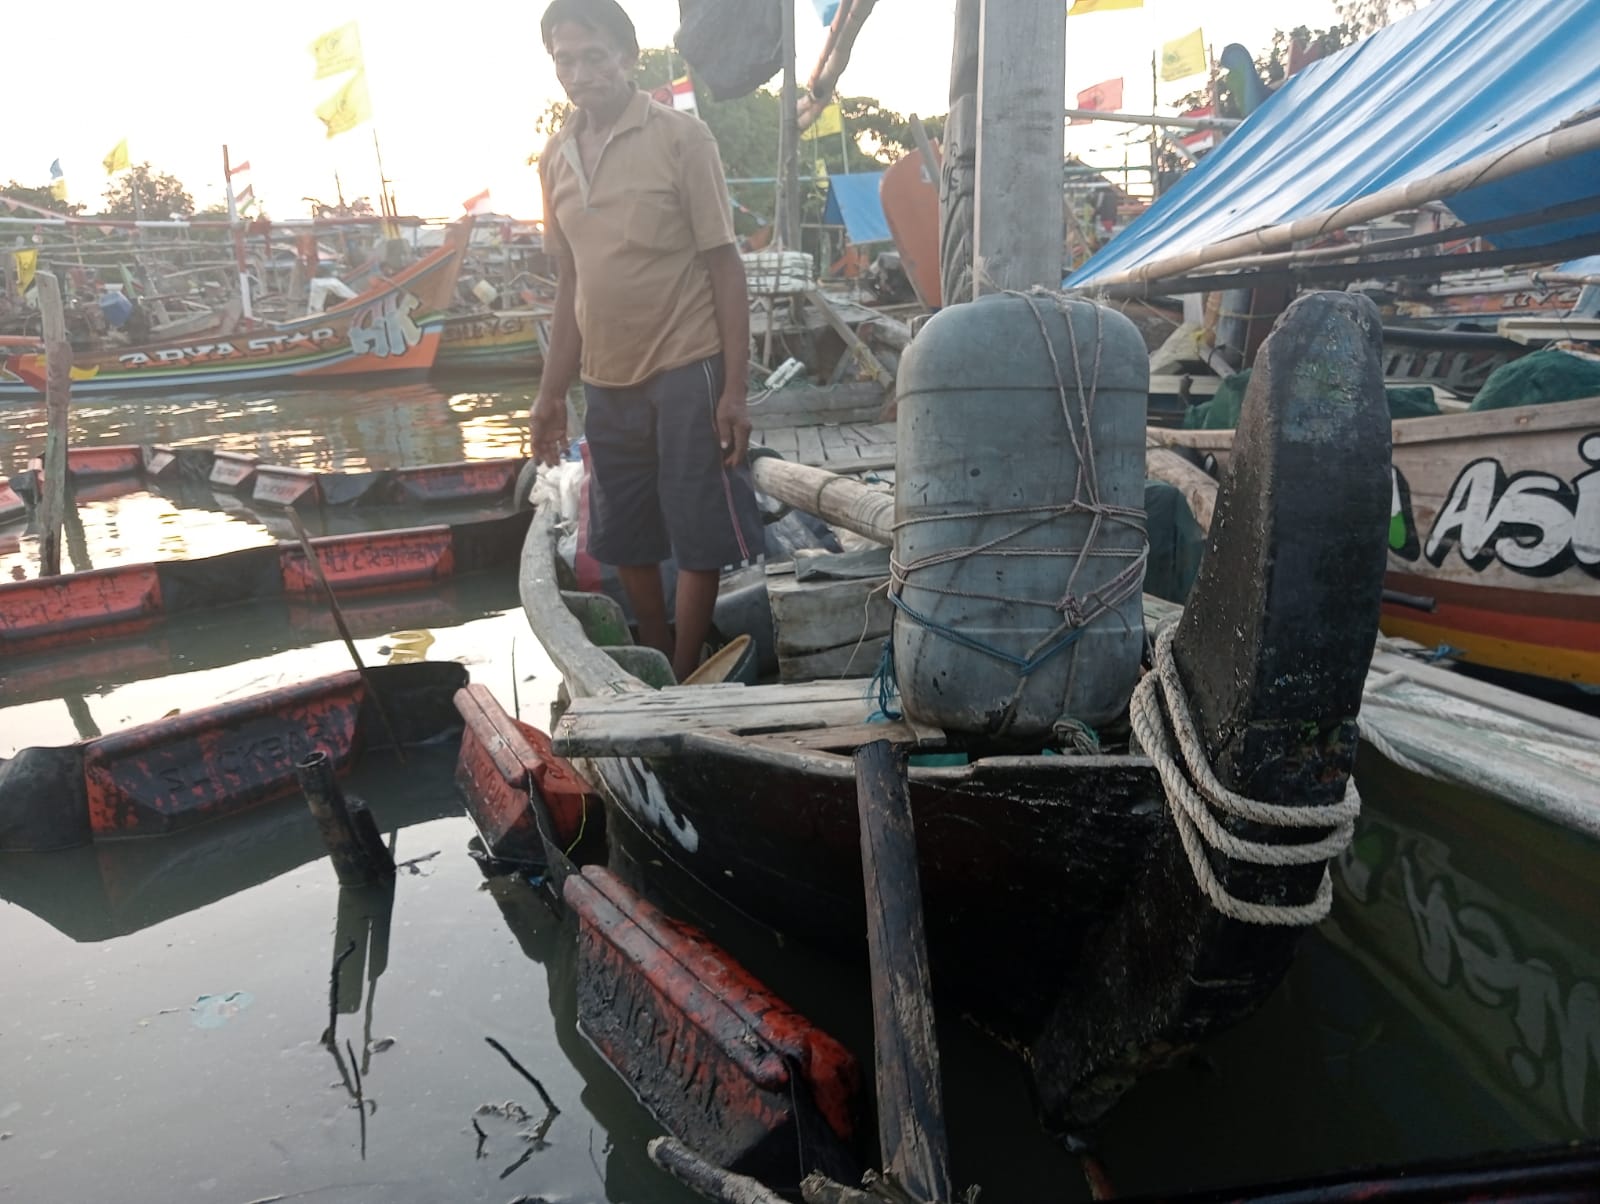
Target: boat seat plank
(654, 723)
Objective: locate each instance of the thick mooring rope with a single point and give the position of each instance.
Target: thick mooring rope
(1159, 712)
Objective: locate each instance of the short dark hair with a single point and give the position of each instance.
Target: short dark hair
(601, 16)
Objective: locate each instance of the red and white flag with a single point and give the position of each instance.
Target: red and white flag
(683, 94)
(478, 205)
(1104, 97)
(238, 167)
(245, 195)
(1196, 141)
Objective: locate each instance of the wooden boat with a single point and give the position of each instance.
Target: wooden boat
(496, 341)
(1061, 912)
(392, 330)
(1494, 535)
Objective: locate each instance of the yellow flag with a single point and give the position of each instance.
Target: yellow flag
(27, 264)
(348, 107)
(1184, 56)
(1084, 7)
(58, 189)
(337, 50)
(117, 160)
(829, 121)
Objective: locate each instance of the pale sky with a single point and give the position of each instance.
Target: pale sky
(455, 88)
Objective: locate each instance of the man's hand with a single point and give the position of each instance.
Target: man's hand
(733, 427)
(548, 419)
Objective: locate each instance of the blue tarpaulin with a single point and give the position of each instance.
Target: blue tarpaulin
(1453, 81)
(853, 203)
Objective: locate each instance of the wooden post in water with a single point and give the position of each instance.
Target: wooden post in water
(911, 1128)
(1022, 83)
(57, 402)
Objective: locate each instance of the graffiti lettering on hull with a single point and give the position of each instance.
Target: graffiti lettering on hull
(385, 328)
(646, 797)
(225, 352)
(1530, 522)
(1556, 1018)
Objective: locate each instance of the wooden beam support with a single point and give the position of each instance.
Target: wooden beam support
(57, 403)
(911, 1125)
(1020, 214)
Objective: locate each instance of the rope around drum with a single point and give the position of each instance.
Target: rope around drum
(1075, 613)
(1193, 791)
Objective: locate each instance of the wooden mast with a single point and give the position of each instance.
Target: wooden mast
(1022, 81)
(788, 209)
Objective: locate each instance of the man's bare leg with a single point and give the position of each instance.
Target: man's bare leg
(697, 598)
(642, 584)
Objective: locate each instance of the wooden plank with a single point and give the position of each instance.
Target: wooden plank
(656, 723)
(833, 442)
(856, 347)
(899, 732)
(854, 659)
(58, 384)
(810, 616)
(809, 449)
(722, 697)
(911, 1124)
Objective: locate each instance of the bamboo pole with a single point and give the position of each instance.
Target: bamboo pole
(57, 404)
(1178, 123)
(835, 57)
(1389, 246)
(839, 500)
(1488, 168)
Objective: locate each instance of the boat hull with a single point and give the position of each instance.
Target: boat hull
(1494, 535)
(392, 331)
(493, 342)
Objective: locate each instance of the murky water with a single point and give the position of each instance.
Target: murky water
(162, 1001)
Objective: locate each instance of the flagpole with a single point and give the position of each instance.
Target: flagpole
(245, 310)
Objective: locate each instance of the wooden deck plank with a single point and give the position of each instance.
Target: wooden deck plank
(809, 450)
(656, 723)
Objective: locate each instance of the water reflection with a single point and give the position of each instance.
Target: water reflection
(326, 431)
(394, 426)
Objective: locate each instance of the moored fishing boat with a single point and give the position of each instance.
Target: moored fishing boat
(1062, 910)
(1494, 535)
(495, 341)
(392, 330)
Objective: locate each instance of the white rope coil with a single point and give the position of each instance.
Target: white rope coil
(1193, 791)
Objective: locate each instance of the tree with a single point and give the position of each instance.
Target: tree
(161, 196)
(41, 196)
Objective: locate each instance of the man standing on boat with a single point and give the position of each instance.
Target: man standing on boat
(651, 313)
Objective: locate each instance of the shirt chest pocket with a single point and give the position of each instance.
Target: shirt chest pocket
(655, 221)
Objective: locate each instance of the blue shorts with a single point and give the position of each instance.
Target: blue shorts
(659, 487)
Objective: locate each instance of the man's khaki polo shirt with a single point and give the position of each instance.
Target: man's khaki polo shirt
(636, 230)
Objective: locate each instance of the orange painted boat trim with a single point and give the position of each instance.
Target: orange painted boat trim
(720, 1060)
(114, 460)
(457, 482)
(371, 560)
(218, 761)
(1541, 659)
(43, 611)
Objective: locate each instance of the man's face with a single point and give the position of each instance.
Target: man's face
(593, 69)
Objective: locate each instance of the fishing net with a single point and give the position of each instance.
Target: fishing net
(1542, 378)
(1221, 413)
